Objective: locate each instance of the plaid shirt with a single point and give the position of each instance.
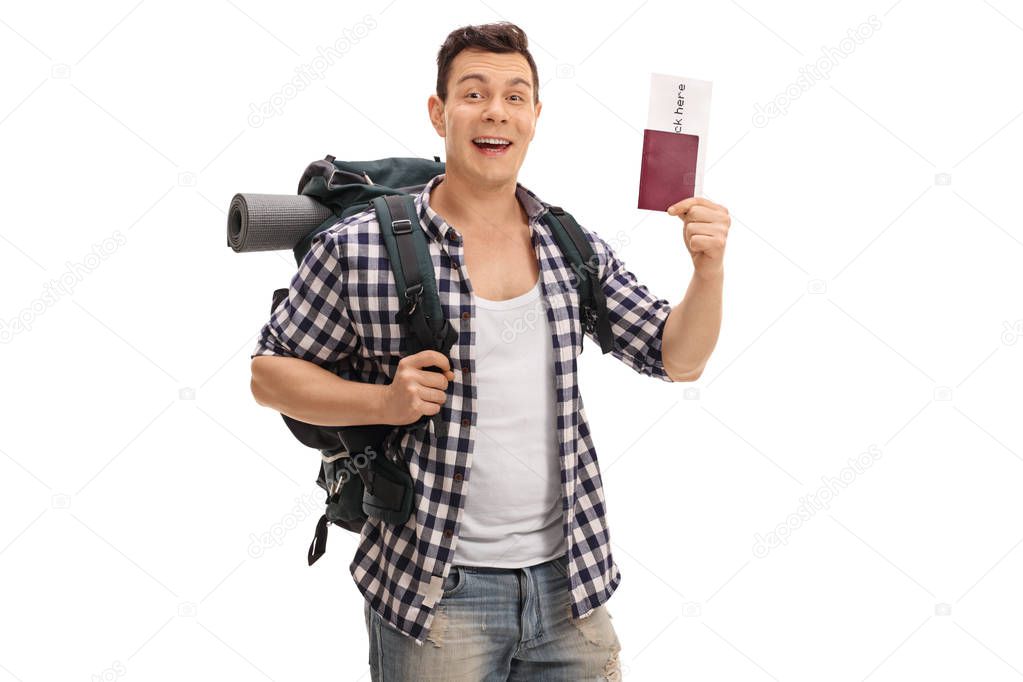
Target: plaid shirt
(340, 312)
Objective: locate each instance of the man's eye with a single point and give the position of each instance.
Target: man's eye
(473, 92)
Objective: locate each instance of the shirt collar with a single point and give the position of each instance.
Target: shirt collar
(436, 227)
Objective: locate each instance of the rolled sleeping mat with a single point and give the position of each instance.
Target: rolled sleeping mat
(272, 222)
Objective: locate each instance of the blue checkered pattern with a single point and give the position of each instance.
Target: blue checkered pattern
(340, 312)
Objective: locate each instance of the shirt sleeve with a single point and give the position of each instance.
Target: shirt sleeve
(312, 322)
(636, 316)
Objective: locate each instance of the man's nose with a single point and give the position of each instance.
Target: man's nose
(496, 111)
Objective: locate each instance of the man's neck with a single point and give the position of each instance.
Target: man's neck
(476, 208)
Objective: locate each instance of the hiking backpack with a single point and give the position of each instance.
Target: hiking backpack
(361, 471)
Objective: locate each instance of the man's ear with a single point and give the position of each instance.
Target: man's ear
(435, 109)
(539, 105)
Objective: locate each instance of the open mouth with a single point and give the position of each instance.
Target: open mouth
(492, 146)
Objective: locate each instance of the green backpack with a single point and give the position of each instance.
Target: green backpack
(360, 469)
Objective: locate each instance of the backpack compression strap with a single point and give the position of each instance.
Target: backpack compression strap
(573, 243)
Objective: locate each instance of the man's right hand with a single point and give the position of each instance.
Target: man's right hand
(415, 390)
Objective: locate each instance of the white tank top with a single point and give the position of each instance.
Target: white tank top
(512, 516)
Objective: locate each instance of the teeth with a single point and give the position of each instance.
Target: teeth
(491, 140)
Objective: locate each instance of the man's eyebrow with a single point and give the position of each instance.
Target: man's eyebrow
(516, 80)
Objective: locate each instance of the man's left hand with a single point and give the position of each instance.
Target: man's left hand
(704, 234)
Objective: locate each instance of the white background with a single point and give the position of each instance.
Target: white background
(871, 300)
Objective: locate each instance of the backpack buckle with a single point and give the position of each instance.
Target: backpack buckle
(405, 223)
(412, 295)
(589, 320)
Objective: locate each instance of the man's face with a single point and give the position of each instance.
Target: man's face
(496, 102)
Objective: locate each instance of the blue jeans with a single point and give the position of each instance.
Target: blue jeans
(500, 624)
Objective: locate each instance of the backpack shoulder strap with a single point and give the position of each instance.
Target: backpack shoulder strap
(421, 312)
(574, 245)
(413, 272)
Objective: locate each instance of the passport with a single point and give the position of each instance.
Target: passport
(668, 172)
(674, 141)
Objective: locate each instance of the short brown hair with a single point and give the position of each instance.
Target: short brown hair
(500, 37)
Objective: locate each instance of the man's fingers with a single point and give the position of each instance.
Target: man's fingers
(433, 379)
(703, 214)
(432, 395)
(428, 358)
(427, 408)
(702, 242)
(710, 229)
(685, 205)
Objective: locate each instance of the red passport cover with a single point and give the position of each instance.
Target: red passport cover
(668, 171)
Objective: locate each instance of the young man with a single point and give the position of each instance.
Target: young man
(504, 568)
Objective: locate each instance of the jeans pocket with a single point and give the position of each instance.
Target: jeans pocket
(561, 565)
(454, 582)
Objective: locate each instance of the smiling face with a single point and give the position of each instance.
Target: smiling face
(490, 95)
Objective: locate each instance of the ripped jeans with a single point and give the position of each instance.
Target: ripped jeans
(500, 624)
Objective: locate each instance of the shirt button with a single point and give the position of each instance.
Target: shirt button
(465, 368)
(465, 422)
(458, 476)
(448, 533)
(465, 315)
